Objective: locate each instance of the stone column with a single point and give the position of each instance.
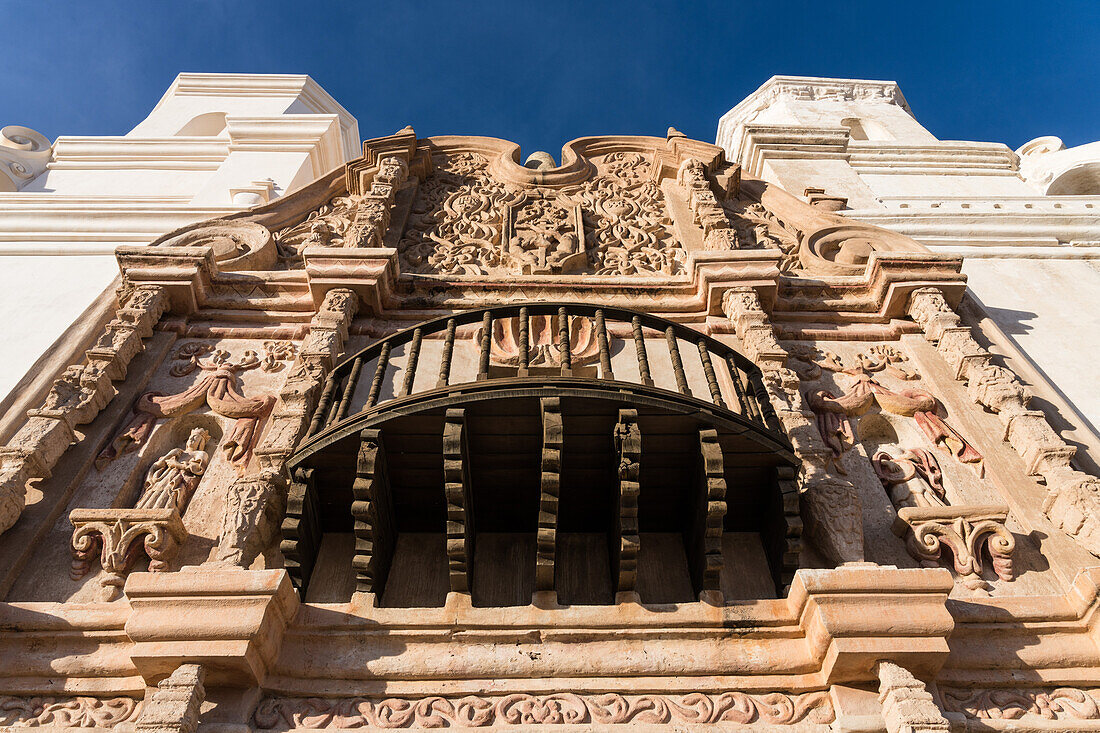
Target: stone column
(831, 506)
(907, 706)
(76, 398)
(174, 707)
(255, 502)
(1073, 498)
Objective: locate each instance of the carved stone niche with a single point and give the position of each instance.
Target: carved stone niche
(967, 532)
(544, 236)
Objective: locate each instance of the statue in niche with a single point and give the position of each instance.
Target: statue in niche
(171, 481)
(912, 479)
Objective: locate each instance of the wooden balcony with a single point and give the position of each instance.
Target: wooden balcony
(544, 447)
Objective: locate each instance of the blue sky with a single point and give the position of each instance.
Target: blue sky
(543, 73)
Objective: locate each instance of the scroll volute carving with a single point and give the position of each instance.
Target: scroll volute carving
(829, 244)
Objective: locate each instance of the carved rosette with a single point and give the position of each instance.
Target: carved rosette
(119, 537)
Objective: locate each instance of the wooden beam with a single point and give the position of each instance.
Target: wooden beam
(705, 540)
(301, 529)
(460, 515)
(552, 435)
(791, 533)
(625, 540)
(372, 509)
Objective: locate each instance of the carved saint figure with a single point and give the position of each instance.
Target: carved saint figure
(173, 478)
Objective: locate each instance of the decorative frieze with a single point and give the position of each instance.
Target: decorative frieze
(67, 712)
(1059, 704)
(1073, 497)
(698, 708)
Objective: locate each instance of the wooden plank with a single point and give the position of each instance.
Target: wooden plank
(333, 578)
(504, 569)
(456, 487)
(372, 510)
(705, 539)
(663, 575)
(625, 541)
(419, 575)
(549, 492)
(582, 573)
(301, 529)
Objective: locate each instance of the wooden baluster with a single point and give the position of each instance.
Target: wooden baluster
(486, 346)
(349, 388)
(448, 350)
(322, 405)
(639, 348)
(626, 541)
(524, 342)
(379, 375)
(708, 370)
(459, 498)
(763, 401)
(605, 351)
(411, 362)
(744, 404)
(563, 343)
(677, 362)
(330, 418)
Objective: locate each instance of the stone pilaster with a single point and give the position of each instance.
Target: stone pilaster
(1073, 498)
(76, 398)
(174, 707)
(255, 502)
(907, 706)
(831, 506)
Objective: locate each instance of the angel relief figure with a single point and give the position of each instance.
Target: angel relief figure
(217, 389)
(833, 411)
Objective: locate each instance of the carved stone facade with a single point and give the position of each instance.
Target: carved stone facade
(637, 440)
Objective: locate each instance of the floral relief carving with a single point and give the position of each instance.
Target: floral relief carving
(522, 709)
(67, 712)
(543, 341)
(1063, 703)
(465, 222)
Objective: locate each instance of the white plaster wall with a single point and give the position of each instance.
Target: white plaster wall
(1030, 300)
(59, 230)
(35, 312)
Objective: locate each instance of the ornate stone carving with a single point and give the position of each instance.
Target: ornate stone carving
(171, 481)
(542, 341)
(76, 398)
(217, 390)
(966, 531)
(466, 222)
(912, 479)
(566, 708)
(67, 712)
(1063, 703)
(253, 510)
(707, 212)
(1073, 497)
(174, 707)
(907, 706)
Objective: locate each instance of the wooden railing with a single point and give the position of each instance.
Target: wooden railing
(549, 340)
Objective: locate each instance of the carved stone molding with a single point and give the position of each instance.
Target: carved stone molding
(24, 155)
(288, 713)
(67, 712)
(76, 398)
(1073, 497)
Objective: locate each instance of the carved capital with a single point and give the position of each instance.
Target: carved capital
(118, 536)
(967, 532)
